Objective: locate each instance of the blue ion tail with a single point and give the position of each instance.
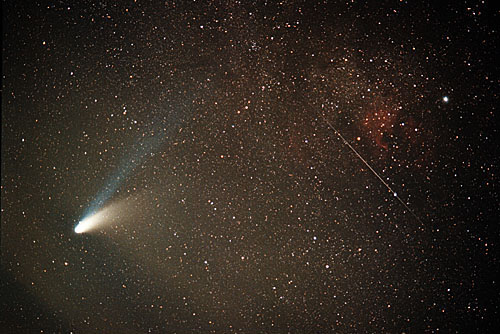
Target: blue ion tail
(140, 151)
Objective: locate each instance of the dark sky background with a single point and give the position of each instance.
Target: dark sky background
(236, 208)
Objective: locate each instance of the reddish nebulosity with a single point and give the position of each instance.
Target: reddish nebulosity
(395, 133)
(379, 122)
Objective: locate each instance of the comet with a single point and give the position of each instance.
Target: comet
(88, 223)
(155, 134)
(98, 219)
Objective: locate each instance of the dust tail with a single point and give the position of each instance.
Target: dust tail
(330, 125)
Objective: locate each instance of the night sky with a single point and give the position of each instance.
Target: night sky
(207, 139)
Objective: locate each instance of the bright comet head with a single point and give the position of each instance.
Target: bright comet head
(97, 219)
(87, 223)
(113, 214)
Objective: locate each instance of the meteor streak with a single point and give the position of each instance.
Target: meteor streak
(369, 167)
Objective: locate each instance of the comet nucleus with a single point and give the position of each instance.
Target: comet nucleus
(87, 223)
(98, 219)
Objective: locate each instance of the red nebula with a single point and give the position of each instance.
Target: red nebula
(396, 133)
(379, 122)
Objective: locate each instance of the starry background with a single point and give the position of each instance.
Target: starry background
(241, 209)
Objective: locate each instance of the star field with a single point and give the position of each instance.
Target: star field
(211, 135)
